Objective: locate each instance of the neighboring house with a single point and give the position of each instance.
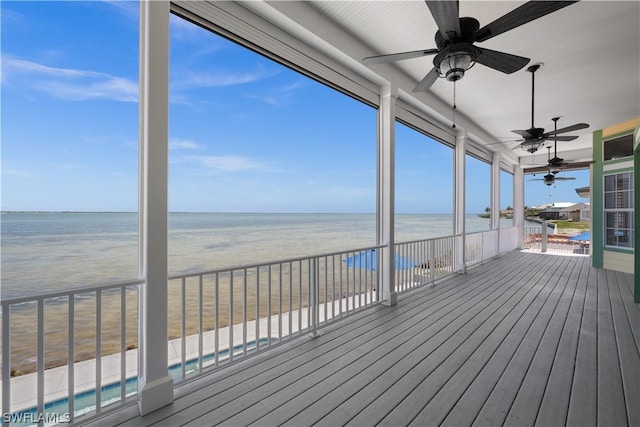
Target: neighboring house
(576, 212)
(559, 210)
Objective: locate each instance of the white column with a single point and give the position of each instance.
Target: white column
(495, 192)
(518, 205)
(495, 201)
(386, 191)
(459, 201)
(155, 386)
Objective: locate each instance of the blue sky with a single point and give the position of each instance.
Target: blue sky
(246, 134)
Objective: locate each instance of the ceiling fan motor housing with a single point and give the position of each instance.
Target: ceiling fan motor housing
(457, 53)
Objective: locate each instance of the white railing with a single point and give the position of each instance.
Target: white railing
(220, 315)
(422, 262)
(35, 319)
(536, 239)
(533, 237)
(480, 246)
(215, 317)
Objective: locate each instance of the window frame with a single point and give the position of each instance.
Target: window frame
(616, 210)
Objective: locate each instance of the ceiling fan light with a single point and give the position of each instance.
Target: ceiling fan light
(531, 146)
(453, 66)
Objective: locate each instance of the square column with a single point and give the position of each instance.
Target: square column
(155, 386)
(495, 192)
(518, 204)
(459, 200)
(386, 192)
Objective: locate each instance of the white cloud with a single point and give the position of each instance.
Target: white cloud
(183, 144)
(68, 83)
(277, 96)
(231, 163)
(17, 173)
(217, 78)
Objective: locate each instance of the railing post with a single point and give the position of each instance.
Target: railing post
(543, 240)
(432, 260)
(313, 297)
(6, 359)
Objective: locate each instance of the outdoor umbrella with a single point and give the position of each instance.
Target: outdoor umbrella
(367, 260)
(586, 236)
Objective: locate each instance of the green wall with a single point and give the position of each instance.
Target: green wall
(597, 203)
(636, 214)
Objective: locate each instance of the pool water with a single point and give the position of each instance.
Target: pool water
(85, 402)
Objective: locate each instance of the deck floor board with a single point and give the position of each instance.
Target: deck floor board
(520, 340)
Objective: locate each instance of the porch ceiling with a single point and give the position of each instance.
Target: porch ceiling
(590, 51)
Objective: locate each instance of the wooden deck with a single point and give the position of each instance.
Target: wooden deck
(525, 339)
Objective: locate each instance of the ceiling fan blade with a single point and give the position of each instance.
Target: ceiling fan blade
(379, 59)
(568, 129)
(446, 15)
(524, 133)
(427, 81)
(505, 62)
(564, 178)
(563, 137)
(526, 13)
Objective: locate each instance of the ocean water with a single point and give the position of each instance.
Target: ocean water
(48, 251)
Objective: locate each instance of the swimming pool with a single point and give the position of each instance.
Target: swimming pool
(85, 401)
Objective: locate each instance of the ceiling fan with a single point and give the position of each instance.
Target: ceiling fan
(455, 39)
(534, 137)
(556, 164)
(551, 177)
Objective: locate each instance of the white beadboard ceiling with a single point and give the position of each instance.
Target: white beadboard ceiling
(590, 51)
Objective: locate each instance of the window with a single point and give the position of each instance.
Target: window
(618, 147)
(618, 210)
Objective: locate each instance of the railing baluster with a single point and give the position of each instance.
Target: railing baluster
(280, 303)
(326, 289)
(200, 323)
(183, 328)
(341, 291)
(231, 316)
(269, 305)
(257, 332)
(300, 299)
(313, 302)
(71, 357)
(123, 344)
(333, 287)
(40, 357)
(98, 351)
(6, 358)
(244, 312)
(216, 333)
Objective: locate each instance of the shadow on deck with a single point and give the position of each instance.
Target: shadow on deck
(521, 340)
